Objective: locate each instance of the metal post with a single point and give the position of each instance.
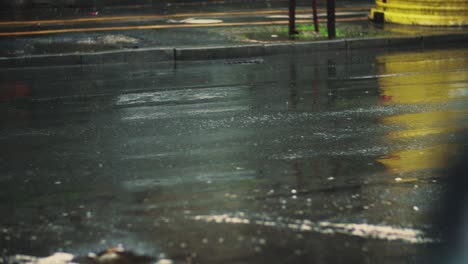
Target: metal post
(292, 17)
(331, 19)
(314, 13)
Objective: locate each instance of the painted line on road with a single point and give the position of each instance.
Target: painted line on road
(95, 29)
(322, 15)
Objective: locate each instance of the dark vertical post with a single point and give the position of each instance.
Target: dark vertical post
(292, 17)
(314, 13)
(331, 19)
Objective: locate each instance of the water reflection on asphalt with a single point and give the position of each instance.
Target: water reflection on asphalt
(326, 158)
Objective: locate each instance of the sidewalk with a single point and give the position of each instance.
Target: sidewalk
(110, 39)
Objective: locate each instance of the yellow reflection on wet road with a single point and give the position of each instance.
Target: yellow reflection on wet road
(424, 80)
(425, 123)
(417, 159)
(437, 78)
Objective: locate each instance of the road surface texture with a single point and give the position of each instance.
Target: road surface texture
(320, 158)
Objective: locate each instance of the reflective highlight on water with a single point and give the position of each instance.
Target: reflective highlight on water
(360, 230)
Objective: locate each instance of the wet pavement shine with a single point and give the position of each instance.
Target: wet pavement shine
(322, 158)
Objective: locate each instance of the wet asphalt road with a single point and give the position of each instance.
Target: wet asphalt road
(324, 158)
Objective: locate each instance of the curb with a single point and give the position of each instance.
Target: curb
(121, 56)
(223, 52)
(229, 52)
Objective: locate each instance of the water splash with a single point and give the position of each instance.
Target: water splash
(115, 255)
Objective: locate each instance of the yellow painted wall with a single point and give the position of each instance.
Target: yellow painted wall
(423, 12)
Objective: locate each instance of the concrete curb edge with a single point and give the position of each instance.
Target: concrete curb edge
(228, 52)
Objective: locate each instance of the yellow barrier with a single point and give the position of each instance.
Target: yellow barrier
(421, 12)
